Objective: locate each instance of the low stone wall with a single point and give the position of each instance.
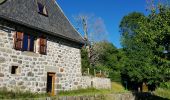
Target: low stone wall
(114, 96)
(126, 96)
(96, 82)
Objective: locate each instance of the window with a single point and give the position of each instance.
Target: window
(23, 41)
(42, 9)
(43, 45)
(18, 40)
(14, 69)
(2, 1)
(28, 42)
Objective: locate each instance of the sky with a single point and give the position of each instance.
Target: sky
(110, 11)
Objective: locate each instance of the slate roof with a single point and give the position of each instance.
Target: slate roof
(25, 12)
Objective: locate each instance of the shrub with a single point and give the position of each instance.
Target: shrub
(165, 85)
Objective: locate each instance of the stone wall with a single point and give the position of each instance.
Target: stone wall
(63, 58)
(123, 96)
(115, 96)
(96, 82)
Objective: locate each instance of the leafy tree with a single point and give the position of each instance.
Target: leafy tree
(85, 60)
(104, 56)
(108, 59)
(144, 39)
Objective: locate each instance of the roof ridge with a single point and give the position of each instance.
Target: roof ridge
(68, 20)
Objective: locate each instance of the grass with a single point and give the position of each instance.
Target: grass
(116, 88)
(4, 94)
(80, 92)
(165, 93)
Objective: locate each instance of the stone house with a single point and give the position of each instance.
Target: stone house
(39, 48)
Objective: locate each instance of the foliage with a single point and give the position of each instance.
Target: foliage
(144, 40)
(101, 55)
(105, 57)
(165, 85)
(115, 76)
(146, 50)
(85, 60)
(106, 53)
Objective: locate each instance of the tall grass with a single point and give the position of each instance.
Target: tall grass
(79, 92)
(116, 88)
(4, 94)
(165, 93)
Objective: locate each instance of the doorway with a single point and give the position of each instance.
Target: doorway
(51, 83)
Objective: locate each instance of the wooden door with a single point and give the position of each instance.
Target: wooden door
(51, 83)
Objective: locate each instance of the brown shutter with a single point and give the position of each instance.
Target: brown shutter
(18, 40)
(43, 45)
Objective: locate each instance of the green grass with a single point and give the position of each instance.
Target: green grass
(79, 92)
(116, 88)
(4, 94)
(165, 93)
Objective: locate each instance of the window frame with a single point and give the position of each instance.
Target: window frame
(18, 40)
(42, 11)
(14, 70)
(29, 40)
(43, 45)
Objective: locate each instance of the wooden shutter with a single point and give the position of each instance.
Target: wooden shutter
(43, 45)
(18, 40)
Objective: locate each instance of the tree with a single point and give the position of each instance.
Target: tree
(144, 39)
(85, 60)
(92, 26)
(109, 59)
(94, 32)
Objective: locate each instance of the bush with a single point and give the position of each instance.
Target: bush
(115, 76)
(165, 85)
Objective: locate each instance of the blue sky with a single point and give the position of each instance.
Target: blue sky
(111, 11)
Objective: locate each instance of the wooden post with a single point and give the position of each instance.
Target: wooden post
(88, 71)
(94, 72)
(100, 73)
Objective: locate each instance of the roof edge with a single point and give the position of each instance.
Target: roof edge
(69, 20)
(39, 29)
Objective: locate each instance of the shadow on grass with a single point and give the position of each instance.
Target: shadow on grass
(147, 96)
